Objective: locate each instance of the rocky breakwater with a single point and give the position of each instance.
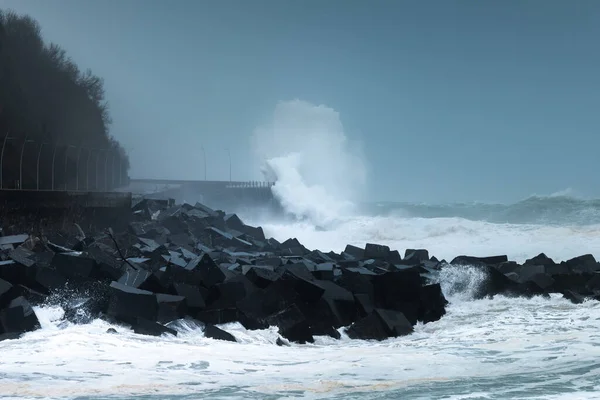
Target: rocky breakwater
(187, 261)
(194, 262)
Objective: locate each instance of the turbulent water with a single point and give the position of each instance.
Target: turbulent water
(501, 348)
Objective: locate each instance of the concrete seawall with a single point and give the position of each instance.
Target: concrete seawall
(33, 210)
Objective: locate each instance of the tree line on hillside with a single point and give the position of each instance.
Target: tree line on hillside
(52, 112)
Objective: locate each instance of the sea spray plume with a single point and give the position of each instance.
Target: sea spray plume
(319, 175)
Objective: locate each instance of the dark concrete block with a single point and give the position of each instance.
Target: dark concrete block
(141, 279)
(264, 302)
(355, 252)
(377, 251)
(18, 317)
(22, 256)
(128, 304)
(433, 303)
(540, 259)
(208, 270)
(585, 263)
(218, 316)
(394, 322)
(292, 325)
(73, 266)
(143, 326)
(475, 261)
(13, 239)
(261, 276)
(211, 331)
(370, 327)
(48, 279)
(364, 305)
(226, 294)
(8, 293)
(170, 307)
(192, 294)
(415, 256)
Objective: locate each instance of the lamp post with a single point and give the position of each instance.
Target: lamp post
(21, 161)
(229, 152)
(2, 157)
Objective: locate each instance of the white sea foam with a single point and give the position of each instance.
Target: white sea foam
(500, 348)
(445, 237)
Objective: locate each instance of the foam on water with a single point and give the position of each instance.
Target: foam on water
(500, 348)
(503, 348)
(445, 237)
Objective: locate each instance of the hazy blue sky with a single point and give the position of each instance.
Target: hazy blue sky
(452, 100)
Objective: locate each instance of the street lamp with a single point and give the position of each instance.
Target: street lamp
(229, 152)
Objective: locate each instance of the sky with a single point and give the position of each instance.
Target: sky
(448, 101)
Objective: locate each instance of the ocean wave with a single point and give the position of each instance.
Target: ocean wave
(556, 209)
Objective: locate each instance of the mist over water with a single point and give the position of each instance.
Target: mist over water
(319, 173)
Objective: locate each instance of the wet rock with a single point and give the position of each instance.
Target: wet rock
(213, 332)
(376, 251)
(18, 317)
(479, 261)
(170, 307)
(128, 304)
(73, 266)
(147, 327)
(292, 325)
(370, 327)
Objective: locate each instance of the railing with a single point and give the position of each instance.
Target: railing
(250, 184)
(112, 171)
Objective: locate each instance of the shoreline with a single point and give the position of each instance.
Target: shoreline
(176, 261)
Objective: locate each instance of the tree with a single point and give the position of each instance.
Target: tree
(45, 98)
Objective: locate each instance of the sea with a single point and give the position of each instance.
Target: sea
(500, 348)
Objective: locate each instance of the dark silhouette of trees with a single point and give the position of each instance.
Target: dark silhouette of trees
(56, 112)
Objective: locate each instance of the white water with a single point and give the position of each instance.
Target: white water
(446, 237)
(501, 348)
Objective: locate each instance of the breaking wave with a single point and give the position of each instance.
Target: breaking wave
(542, 210)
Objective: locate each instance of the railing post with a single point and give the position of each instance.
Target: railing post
(87, 169)
(77, 169)
(120, 170)
(2, 157)
(21, 164)
(66, 166)
(106, 171)
(38, 166)
(113, 170)
(53, 158)
(97, 176)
